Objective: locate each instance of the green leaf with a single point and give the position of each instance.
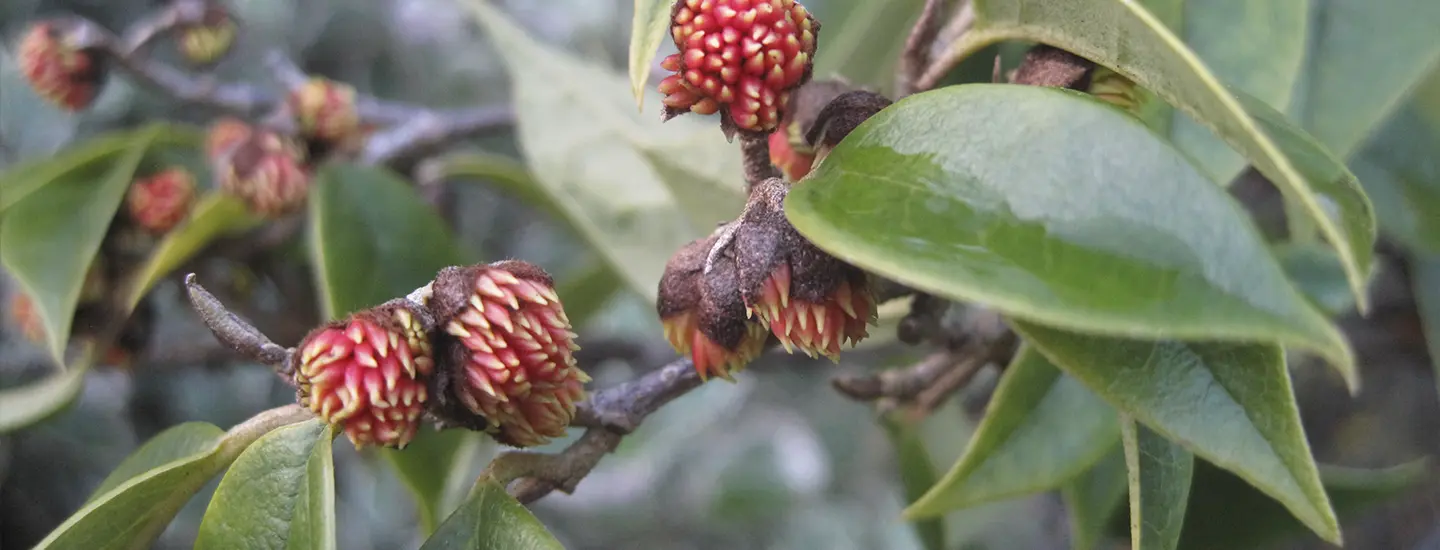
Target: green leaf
(280, 494)
(917, 472)
(1256, 47)
(1231, 404)
(214, 215)
(175, 443)
(587, 292)
(1159, 474)
(865, 46)
(703, 173)
(1122, 35)
(649, 27)
(1027, 212)
(1364, 56)
(1400, 173)
(581, 138)
(133, 512)
(1316, 270)
(49, 240)
(491, 519)
(372, 238)
(1093, 497)
(1225, 512)
(1425, 273)
(429, 466)
(1040, 430)
(34, 402)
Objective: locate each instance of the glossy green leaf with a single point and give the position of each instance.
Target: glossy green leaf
(917, 472)
(1399, 170)
(1317, 272)
(31, 403)
(491, 519)
(280, 494)
(430, 466)
(1256, 47)
(49, 240)
(581, 136)
(1093, 497)
(1122, 35)
(1225, 512)
(864, 46)
(648, 29)
(1364, 56)
(1040, 430)
(1425, 273)
(1027, 212)
(133, 512)
(20, 181)
(215, 215)
(1159, 475)
(1231, 404)
(175, 443)
(372, 238)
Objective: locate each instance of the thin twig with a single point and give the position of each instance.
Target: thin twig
(755, 150)
(918, 45)
(234, 332)
(433, 129)
(959, 24)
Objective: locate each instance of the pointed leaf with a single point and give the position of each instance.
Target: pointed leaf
(491, 519)
(1027, 212)
(20, 181)
(1229, 403)
(581, 135)
(1400, 171)
(1093, 497)
(1226, 512)
(1425, 272)
(214, 215)
(1364, 56)
(1040, 430)
(917, 473)
(1122, 35)
(430, 466)
(648, 29)
(51, 237)
(36, 401)
(1159, 487)
(372, 238)
(864, 46)
(1316, 270)
(132, 512)
(280, 494)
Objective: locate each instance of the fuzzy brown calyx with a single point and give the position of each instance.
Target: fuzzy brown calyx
(1046, 65)
(704, 315)
(841, 116)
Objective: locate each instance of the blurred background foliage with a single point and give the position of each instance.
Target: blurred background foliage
(779, 460)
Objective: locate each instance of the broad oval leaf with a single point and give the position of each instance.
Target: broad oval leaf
(1231, 404)
(1159, 474)
(917, 472)
(49, 239)
(1092, 498)
(34, 402)
(1122, 35)
(491, 519)
(647, 30)
(215, 215)
(372, 238)
(1040, 430)
(279, 494)
(430, 466)
(175, 443)
(1005, 195)
(132, 512)
(1364, 56)
(581, 138)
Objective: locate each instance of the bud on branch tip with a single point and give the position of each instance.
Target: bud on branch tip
(234, 332)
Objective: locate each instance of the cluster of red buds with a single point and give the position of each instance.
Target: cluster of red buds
(260, 166)
(160, 202)
(63, 73)
(740, 58)
(206, 40)
(491, 349)
(327, 114)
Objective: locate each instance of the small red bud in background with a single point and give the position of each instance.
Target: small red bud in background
(160, 202)
(325, 110)
(63, 74)
(265, 170)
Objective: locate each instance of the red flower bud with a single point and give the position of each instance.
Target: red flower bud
(159, 203)
(508, 353)
(265, 171)
(64, 75)
(367, 374)
(224, 134)
(704, 315)
(325, 110)
(739, 57)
